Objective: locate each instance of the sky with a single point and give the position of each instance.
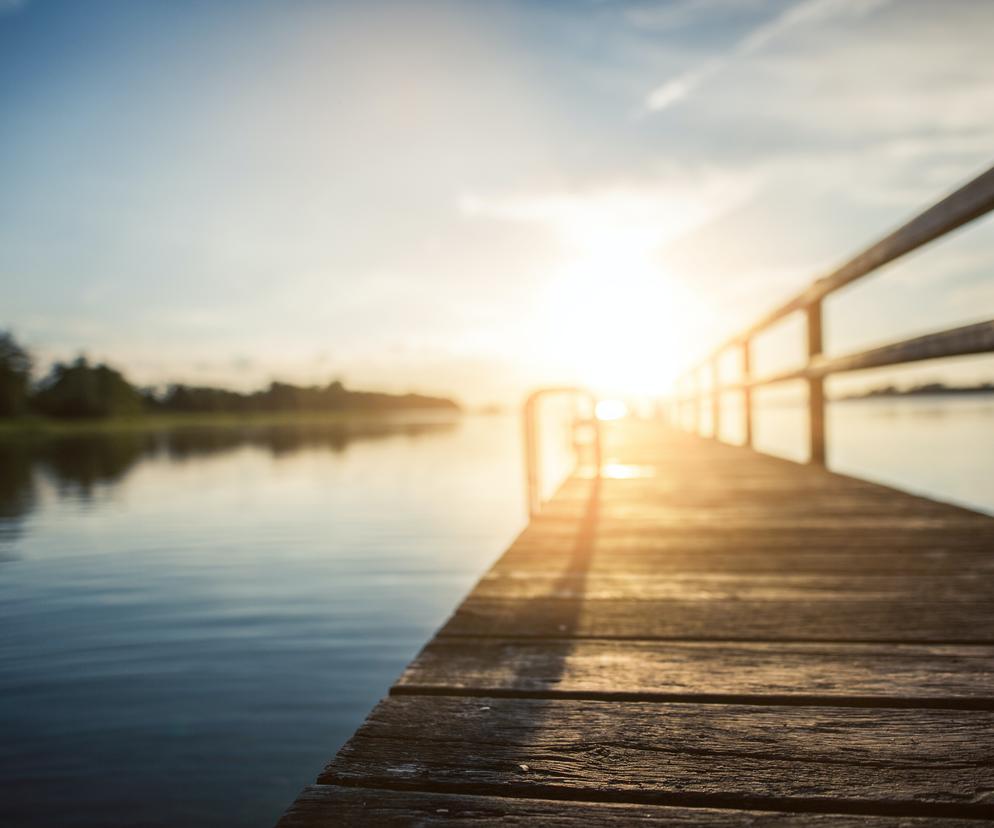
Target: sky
(474, 198)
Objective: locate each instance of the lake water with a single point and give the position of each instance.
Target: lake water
(192, 622)
(940, 447)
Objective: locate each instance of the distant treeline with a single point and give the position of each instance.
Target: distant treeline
(80, 389)
(926, 390)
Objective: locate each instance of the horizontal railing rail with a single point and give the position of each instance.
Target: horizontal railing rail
(533, 465)
(965, 341)
(969, 202)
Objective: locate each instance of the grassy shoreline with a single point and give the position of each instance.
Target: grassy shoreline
(43, 426)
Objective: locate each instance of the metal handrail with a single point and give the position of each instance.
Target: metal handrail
(533, 483)
(969, 202)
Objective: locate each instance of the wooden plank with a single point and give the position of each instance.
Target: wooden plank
(648, 502)
(909, 621)
(963, 341)
(531, 584)
(322, 806)
(623, 555)
(967, 340)
(827, 534)
(910, 675)
(648, 499)
(730, 519)
(923, 762)
(612, 534)
(748, 493)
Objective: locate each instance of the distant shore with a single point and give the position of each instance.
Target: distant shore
(934, 389)
(41, 426)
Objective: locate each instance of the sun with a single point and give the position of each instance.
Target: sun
(614, 319)
(610, 410)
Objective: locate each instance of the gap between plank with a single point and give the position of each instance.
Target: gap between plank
(771, 700)
(442, 636)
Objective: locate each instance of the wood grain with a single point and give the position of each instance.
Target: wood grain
(632, 556)
(912, 675)
(905, 761)
(529, 584)
(775, 620)
(322, 806)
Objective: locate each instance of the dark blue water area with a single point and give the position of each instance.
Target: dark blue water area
(136, 700)
(188, 639)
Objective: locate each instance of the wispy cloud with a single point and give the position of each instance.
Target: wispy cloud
(650, 214)
(803, 14)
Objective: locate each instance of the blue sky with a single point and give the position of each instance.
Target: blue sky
(472, 198)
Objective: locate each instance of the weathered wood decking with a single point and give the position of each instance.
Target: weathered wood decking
(707, 636)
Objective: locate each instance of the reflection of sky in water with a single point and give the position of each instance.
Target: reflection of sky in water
(187, 635)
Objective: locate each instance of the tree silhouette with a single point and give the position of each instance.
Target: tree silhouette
(82, 390)
(15, 376)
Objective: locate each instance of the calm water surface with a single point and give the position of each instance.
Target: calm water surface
(940, 447)
(191, 623)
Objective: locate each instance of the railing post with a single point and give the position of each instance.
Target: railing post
(695, 403)
(816, 388)
(715, 398)
(532, 485)
(747, 390)
(598, 441)
(533, 459)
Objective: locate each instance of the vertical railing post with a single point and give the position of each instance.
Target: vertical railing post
(816, 388)
(747, 390)
(533, 449)
(695, 403)
(532, 484)
(715, 397)
(688, 402)
(598, 439)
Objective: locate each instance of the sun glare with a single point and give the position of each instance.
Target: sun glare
(614, 318)
(611, 410)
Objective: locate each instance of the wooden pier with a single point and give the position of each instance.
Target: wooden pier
(704, 636)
